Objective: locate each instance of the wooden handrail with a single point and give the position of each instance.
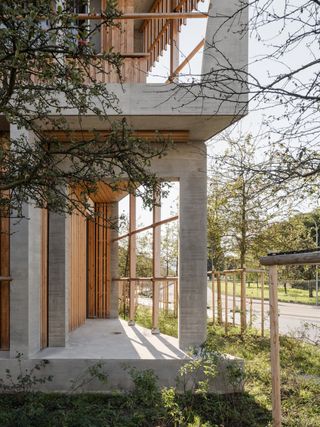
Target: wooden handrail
(6, 278)
(186, 61)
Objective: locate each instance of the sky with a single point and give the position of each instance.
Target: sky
(191, 34)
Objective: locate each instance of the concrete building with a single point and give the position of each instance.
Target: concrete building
(61, 285)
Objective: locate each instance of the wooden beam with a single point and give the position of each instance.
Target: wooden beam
(294, 259)
(156, 250)
(145, 16)
(275, 345)
(132, 258)
(147, 227)
(85, 135)
(186, 61)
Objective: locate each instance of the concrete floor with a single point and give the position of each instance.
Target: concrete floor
(114, 339)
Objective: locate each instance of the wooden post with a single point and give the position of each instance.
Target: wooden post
(234, 299)
(262, 304)
(226, 303)
(176, 298)
(219, 305)
(251, 313)
(213, 299)
(174, 45)
(275, 345)
(243, 301)
(156, 245)
(132, 258)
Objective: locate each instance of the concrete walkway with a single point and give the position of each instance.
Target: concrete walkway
(114, 339)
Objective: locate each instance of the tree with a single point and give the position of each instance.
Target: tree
(47, 60)
(238, 202)
(169, 249)
(281, 82)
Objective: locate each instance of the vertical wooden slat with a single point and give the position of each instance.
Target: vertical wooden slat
(44, 280)
(78, 270)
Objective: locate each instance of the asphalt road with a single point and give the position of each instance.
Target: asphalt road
(292, 317)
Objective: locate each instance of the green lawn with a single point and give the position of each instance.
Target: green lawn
(293, 295)
(149, 406)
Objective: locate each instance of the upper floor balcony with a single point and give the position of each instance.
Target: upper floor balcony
(149, 35)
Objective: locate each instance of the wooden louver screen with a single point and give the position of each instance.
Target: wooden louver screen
(157, 34)
(99, 274)
(78, 271)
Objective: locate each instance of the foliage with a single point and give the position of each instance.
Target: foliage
(300, 367)
(49, 69)
(148, 405)
(238, 202)
(26, 379)
(169, 249)
(281, 81)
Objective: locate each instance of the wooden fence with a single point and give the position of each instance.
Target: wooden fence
(226, 304)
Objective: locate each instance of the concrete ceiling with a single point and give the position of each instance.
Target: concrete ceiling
(141, 6)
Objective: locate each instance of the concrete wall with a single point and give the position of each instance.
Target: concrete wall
(25, 268)
(69, 372)
(25, 254)
(187, 164)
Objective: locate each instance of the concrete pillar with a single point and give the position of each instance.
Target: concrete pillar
(114, 292)
(58, 279)
(193, 254)
(25, 259)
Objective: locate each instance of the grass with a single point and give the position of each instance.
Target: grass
(149, 406)
(300, 365)
(299, 296)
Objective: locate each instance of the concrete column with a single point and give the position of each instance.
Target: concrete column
(58, 279)
(114, 292)
(25, 259)
(193, 253)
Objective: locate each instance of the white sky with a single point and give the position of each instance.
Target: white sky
(191, 34)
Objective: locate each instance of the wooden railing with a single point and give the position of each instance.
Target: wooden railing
(160, 28)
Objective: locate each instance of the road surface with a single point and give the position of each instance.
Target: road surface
(291, 319)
